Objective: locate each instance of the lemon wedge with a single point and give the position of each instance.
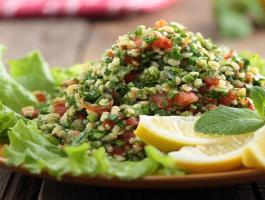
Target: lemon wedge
(254, 154)
(170, 133)
(225, 155)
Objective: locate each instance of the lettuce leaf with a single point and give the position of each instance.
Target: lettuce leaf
(60, 74)
(254, 61)
(30, 149)
(32, 72)
(12, 94)
(125, 170)
(167, 163)
(8, 119)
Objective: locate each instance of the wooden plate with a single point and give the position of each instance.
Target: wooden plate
(187, 181)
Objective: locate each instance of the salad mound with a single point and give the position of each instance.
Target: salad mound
(82, 120)
(163, 70)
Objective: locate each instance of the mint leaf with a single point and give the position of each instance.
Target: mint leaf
(257, 94)
(229, 121)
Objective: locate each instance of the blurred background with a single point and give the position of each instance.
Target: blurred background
(69, 31)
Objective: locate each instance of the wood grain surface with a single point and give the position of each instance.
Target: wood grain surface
(64, 41)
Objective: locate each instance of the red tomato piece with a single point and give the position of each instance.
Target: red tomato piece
(203, 90)
(163, 43)
(138, 43)
(130, 77)
(108, 123)
(231, 96)
(229, 55)
(211, 100)
(118, 151)
(161, 101)
(40, 96)
(126, 136)
(60, 108)
(211, 81)
(226, 100)
(97, 109)
(249, 104)
(185, 98)
(132, 121)
(129, 59)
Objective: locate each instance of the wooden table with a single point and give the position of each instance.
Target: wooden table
(66, 41)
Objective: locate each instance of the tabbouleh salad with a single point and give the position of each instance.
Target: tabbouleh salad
(162, 70)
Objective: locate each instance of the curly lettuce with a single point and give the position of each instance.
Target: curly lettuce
(8, 118)
(32, 72)
(31, 149)
(12, 94)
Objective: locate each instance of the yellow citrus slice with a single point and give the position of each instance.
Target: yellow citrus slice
(170, 133)
(222, 156)
(254, 154)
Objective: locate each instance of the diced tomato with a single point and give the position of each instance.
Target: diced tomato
(203, 90)
(211, 100)
(131, 60)
(117, 151)
(229, 54)
(108, 124)
(132, 121)
(228, 99)
(138, 43)
(225, 101)
(185, 98)
(162, 43)
(40, 96)
(130, 77)
(249, 104)
(231, 96)
(60, 108)
(126, 136)
(128, 59)
(161, 101)
(97, 109)
(211, 81)
(160, 23)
